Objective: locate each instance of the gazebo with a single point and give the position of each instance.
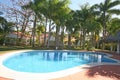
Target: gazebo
(115, 39)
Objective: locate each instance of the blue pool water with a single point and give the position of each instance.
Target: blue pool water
(51, 61)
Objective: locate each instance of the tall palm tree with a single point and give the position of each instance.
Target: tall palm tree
(114, 29)
(85, 22)
(51, 10)
(107, 7)
(37, 15)
(84, 16)
(93, 30)
(114, 26)
(40, 29)
(70, 24)
(59, 16)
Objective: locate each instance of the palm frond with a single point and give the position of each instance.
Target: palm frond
(106, 3)
(114, 11)
(113, 4)
(96, 6)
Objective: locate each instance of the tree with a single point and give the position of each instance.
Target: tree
(5, 28)
(17, 15)
(40, 29)
(35, 7)
(3, 22)
(84, 16)
(59, 17)
(70, 23)
(85, 22)
(114, 26)
(93, 30)
(107, 8)
(42, 8)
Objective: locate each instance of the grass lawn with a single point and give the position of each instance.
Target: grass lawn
(5, 49)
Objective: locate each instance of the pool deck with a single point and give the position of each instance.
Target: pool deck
(105, 72)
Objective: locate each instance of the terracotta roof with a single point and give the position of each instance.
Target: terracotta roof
(42, 35)
(20, 33)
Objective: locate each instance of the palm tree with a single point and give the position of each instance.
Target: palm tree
(40, 29)
(84, 15)
(93, 30)
(105, 9)
(37, 15)
(84, 21)
(93, 26)
(70, 23)
(5, 28)
(3, 22)
(114, 26)
(3, 25)
(50, 14)
(113, 32)
(59, 16)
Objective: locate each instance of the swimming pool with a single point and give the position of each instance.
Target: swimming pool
(52, 61)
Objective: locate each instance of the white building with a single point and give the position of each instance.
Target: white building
(11, 38)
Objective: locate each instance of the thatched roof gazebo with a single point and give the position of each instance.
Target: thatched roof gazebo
(115, 39)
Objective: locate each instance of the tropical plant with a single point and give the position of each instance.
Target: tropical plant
(84, 17)
(40, 29)
(33, 5)
(59, 16)
(71, 22)
(5, 28)
(114, 26)
(106, 8)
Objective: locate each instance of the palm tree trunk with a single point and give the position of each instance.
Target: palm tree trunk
(45, 41)
(39, 39)
(17, 37)
(49, 35)
(57, 37)
(104, 30)
(4, 38)
(80, 38)
(69, 40)
(84, 34)
(93, 39)
(118, 46)
(34, 31)
(62, 37)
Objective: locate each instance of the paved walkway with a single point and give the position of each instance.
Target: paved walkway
(103, 72)
(1, 78)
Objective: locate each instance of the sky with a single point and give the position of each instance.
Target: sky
(75, 4)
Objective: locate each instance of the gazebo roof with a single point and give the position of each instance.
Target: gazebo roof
(118, 35)
(114, 38)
